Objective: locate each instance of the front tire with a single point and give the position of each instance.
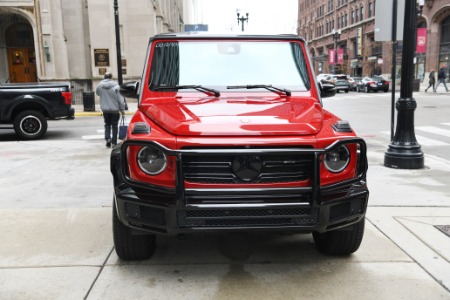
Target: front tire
(30, 125)
(129, 246)
(343, 241)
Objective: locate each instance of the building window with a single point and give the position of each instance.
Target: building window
(444, 53)
(353, 17)
(345, 19)
(356, 15)
(361, 13)
(370, 10)
(339, 22)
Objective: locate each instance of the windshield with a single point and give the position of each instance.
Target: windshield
(218, 64)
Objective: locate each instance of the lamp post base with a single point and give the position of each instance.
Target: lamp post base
(404, 152)
(398, 157)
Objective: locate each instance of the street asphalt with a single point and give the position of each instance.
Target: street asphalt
(63, 249)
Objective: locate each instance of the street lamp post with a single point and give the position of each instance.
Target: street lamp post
(242, 19)
(119, 53)
(336, 36)
(404, 152)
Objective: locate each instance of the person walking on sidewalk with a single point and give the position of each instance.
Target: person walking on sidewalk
(112, 105)
(432, 80)
(441, 79)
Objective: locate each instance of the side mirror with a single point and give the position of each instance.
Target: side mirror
(129, 89)
(327, 89)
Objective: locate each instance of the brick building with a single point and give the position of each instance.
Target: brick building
(348, 26)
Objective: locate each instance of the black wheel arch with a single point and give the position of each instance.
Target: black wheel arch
(28, 102)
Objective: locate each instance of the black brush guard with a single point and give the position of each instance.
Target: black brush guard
(164, 210)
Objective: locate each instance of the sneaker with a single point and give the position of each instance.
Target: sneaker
(108, 143)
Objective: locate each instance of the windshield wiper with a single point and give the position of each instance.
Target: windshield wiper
(261, 86)
(184, 87)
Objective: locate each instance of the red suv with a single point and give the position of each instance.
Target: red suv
(231, 136)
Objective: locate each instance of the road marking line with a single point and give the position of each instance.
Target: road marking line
(434, 130)
(424, 141)
(93, 137)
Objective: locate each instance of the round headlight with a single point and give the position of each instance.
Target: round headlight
(337, 159)
(151, 160)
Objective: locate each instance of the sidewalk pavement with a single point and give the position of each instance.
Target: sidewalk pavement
(65, 249)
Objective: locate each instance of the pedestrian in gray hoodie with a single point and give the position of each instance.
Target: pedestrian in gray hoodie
(112, 105)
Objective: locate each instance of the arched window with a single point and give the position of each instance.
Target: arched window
(20, 35)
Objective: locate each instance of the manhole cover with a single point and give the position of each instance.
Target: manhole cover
(444, 228)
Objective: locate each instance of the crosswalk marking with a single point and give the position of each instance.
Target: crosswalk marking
(434, 130)
(93, 137)
(424, 141)
(430, 142)
(99, 136)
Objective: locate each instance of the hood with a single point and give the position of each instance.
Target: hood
(108, 83)
(233, 116)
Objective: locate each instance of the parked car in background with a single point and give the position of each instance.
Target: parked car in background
(373, 84)
(28, 106)
(340, 81)
(323, 76)
(354, 81)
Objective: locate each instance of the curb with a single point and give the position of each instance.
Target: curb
(96, 113)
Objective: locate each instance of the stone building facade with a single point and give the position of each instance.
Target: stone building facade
(349, 27)
(46, 40)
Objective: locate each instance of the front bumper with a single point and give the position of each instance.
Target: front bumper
(170, 211)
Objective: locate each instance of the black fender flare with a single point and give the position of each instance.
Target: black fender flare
(25, 102)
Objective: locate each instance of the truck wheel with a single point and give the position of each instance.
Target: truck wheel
(30, 125)
(342, 241)
(129, 246)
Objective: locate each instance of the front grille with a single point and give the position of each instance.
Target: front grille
(244, 169)
(247, 212)
(246, 217)
(249, 222)
(229, 197)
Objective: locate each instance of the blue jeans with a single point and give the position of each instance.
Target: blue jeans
(111, 124)
(439, 82)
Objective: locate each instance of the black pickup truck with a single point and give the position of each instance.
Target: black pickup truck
(28, 106)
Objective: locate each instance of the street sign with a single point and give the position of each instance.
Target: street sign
(384, 17)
